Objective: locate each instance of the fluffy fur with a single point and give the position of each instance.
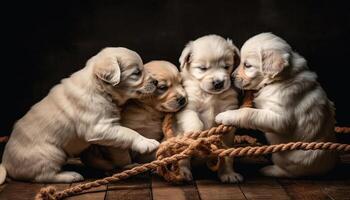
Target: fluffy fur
(290, 105)
(83, 109)
(144, 116)
(206, 67)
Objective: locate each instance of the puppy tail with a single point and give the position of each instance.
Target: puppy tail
(2, 174)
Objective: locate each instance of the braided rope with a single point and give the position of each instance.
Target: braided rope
(193, 144)
(197, 143)
(338, 129)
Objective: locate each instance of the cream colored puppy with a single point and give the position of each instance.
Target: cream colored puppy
(206, 67)
(83, 109)
(144, 116)
(290, 105)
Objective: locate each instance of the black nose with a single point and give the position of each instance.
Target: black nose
(218, 84)
(155, 82)
(181, 101)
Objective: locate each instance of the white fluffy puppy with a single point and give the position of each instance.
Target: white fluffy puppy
(206, 67)
(290, 105)
(83, 109)
(143, 115)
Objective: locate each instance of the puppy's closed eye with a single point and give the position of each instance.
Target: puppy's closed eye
(136, 74)
(246, 65)
(162, 88)
(227, 67)
(202, 68)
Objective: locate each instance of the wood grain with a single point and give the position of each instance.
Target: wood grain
(303, 189)
(162, 190)
(15, 190)
(263, 188)
(135, 188)
(215, 190)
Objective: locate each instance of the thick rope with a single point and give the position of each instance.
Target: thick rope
(338, 129)
(199, 143)
(193, 144)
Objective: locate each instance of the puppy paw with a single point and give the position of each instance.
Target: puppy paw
(225, 118)
(230, 177)
(274, 171)
(186, 174)
(68, 177)
(144, 145)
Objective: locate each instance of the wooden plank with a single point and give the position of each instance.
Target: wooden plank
(263, 188)
(2, 187)
(134, 188)
(303, 189)
(337, 189)
(97, 193)
(163, 190)
(336, 184)
(215, 190)
(15, 190)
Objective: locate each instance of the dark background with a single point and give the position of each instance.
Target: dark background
(44, 42)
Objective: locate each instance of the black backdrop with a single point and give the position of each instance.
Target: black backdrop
(44, 42)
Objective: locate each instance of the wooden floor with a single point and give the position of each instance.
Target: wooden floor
(206, 186)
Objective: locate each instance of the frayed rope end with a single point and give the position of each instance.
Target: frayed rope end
(46, 193)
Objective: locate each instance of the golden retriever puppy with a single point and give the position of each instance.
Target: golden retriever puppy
(206, 67)
(144, 116)
(290, 105)
(83, 109)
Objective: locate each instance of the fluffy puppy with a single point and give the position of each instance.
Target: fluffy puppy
(206, 67)
(144, 116)
(290, 105)
(83, 109)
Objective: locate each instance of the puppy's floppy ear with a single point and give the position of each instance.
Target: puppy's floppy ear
(236, 55)
(185, 57)
(273, 61)
(107, 69)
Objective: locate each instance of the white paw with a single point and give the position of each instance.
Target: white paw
(144, 145)
(186, 173)
(230, 177)
(69, 177)
(225, 118)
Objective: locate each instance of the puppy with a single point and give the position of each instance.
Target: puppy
(206, 67)
(144, 116)
(83, 109)
(290, 105)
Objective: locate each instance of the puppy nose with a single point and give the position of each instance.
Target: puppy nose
(218, 84)
(181, 101)
(155, 82)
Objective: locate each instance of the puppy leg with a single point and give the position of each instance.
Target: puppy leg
(275, 171)
(189, 121)
(226, 173)
(185, 169)
(104, 133)
(251, 118)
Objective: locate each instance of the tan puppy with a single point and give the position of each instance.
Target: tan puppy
(144, 116)
(206, 67)
(290, 105)
(83, 109)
